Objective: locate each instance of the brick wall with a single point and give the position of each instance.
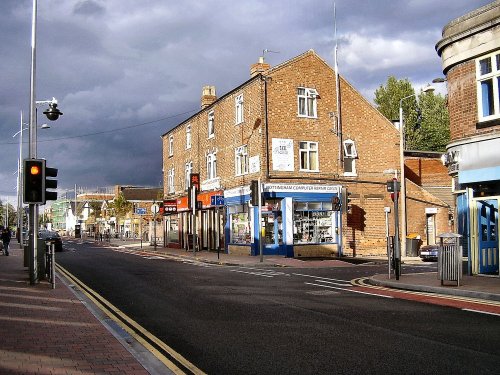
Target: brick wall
(376, 140)
(462, 102)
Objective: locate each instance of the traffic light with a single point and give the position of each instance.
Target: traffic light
(346, 200)
(50, 184)
(336, 205)
(33, 187)
(254, 192)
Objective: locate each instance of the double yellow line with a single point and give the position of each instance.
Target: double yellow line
(139, 333)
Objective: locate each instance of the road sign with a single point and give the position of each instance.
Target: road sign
(155, 208)
(140, 211)
(169, 206)
(217, 200)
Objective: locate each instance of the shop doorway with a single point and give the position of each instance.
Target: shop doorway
(487, 229)
(272, 224)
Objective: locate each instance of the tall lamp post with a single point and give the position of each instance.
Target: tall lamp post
(428, 88)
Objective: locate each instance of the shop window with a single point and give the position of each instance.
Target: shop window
(173, 230)
(313, 223)
(240, 226)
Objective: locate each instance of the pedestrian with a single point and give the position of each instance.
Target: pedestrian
(6, 240)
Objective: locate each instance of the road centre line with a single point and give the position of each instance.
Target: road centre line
(350, 290)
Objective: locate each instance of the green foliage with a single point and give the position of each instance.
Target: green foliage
(432, 133)
(121, 206)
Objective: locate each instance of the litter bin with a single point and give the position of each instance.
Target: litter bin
(449, 258)
(412, 245)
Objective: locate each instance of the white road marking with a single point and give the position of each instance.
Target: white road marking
(348, 290)
(481, 312)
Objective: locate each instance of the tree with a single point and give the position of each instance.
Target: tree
(121, 208)
(426, 123)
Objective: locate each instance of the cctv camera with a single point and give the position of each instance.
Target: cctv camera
(52, 113)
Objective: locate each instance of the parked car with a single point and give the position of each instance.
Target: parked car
(429, 253)
(48, 235)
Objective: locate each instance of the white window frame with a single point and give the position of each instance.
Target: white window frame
(238, 106)
(211, 124)
(188, 169)
(171, 180)
(171, 145)
(212, 165)
(188, 137)
(305, 96)
(241, 160)
(308, 151)
(494, 76)
(350, 149)
(350, 156)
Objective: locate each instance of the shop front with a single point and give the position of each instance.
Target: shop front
(297, 221)
(211, 217)
(474, 166)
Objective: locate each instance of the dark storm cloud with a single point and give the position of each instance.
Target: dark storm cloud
(114, 65)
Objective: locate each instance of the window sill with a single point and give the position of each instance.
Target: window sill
(309, 170)
(350, 174)
(310, 117)
(488, 123)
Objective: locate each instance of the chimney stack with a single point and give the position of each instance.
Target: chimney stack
(259, 67)
(208, 96)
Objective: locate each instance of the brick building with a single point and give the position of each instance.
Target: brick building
(470, 52)
(288, 127)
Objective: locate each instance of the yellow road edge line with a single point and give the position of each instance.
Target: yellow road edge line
(361, 282)
(138, 327)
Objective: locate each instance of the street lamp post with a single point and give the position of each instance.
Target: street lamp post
(428, 88)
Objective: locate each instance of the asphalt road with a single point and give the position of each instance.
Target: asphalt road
(237, 320)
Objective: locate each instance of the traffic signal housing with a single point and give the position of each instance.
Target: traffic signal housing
(50, 184)
(254, 192)
(34, 178)
(346, 200)
(37, 179)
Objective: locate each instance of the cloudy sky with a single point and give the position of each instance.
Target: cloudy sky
(125, 72)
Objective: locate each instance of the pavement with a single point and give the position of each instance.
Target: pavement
(45, 330)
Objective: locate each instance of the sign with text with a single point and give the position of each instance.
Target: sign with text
(169, 206)
(217, 200)
(282, 152)
(140, 211)
(194, 180)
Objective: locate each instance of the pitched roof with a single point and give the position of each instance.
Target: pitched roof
(142, 194)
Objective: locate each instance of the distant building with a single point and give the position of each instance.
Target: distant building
(470, 52)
